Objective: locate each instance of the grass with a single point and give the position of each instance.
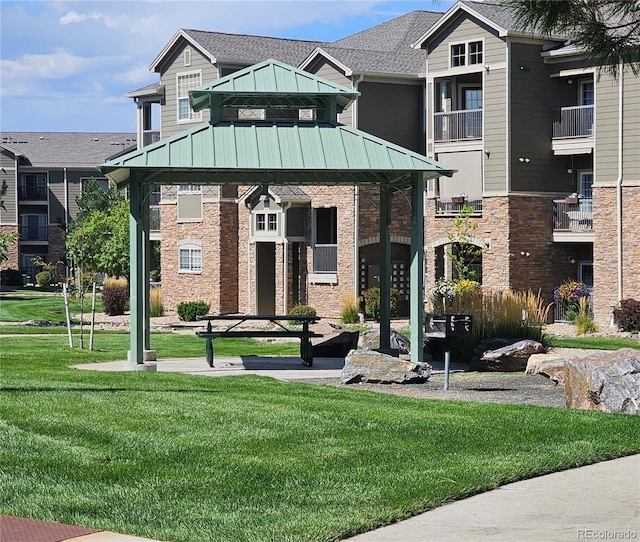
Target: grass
(184, 458)
(23, 306)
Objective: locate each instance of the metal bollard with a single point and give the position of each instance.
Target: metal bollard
(447, 356)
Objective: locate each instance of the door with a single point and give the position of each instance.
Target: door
(266, 278)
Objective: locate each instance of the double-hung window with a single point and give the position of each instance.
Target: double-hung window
(186, 82)
(466, 54)
(190, 259)
(325, 249)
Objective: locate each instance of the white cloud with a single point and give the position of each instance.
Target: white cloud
(137, 74)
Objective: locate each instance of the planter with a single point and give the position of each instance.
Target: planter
(571, 201)
(457, 199)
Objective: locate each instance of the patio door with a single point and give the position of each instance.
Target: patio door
(266, 278)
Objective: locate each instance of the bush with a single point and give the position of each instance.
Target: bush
(627, 315)
(372, 303)
(10, 277)
(156, 307)
(583, 321)
(44, 278)
(349, 314)
(190, 310)
(115, 296)
(301, 310)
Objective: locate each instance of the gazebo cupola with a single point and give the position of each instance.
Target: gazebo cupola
(279, 89)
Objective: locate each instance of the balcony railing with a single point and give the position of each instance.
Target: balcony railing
(560, 310)
(574, 121)
(458, 125)
(150, 136)
(33, 193)
(325, 259)
(573, 216)
(34, 233)
(448, 207)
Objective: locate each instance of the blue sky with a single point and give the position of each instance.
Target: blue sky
(65, 65)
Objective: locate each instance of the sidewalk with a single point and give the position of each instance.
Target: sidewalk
(596, 502)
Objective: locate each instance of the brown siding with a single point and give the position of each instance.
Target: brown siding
(393, 112)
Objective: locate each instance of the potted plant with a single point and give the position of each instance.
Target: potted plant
(459, 198)
(572, 199)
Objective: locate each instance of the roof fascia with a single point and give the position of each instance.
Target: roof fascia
(319, 51)
(177, 36)
(11, 150)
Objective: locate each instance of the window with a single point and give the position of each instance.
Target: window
(463, 54)
(189, 189)
(260, 224)
(190, 259)
(586, 93)
(325, 249)
(33, 186)
(458, 54)
(187, 57)
(185, 83)
(273, 222)
(33, 227)
(266, 222)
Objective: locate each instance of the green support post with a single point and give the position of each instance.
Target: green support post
(416, 308)
(385, 266)
(136, 269)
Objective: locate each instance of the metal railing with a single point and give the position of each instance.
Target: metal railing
(325, 259)
(448, 207)
(576, 121)
(458, 125)
(573, 216)
(34, 233)
(150, 136)
(33, 193)
(564, 314)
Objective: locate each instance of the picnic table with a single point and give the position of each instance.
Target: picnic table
(283, 326)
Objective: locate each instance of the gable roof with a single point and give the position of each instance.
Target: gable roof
(66, 149)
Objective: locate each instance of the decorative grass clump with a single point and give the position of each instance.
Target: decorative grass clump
(156, 307)
(349, 313)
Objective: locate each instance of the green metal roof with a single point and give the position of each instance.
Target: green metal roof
(263, 152)
(271, 84)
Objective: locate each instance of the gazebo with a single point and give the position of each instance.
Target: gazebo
(282, 149)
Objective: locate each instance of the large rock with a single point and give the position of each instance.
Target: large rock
(336, 345)
(550, 365)
(372, 366)
(398, 341)
(607, 381)
(512, 356)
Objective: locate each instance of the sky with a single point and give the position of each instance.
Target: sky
(66, 65)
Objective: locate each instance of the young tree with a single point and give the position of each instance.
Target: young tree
(93, 198)
(607, 30)
(463, 253)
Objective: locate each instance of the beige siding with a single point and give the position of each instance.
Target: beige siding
(172, 67)
(9, 215)
(57, 197)
(462, 30)
(631, 162)
(606, 129)
(495, 129)
(7, 159)
(393, 112)
(534, 96)
(327, 70)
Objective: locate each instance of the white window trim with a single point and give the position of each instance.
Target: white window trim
(186, 57)
(190, 245)
(467, 65)
(193, 117)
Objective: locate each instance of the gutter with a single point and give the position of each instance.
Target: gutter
(619, 181)
(356, 205)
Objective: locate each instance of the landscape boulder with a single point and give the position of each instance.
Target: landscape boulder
(397, 340)
(550, 365)
(511, 356)
(606, 381)
(372, 366)
(336, 345)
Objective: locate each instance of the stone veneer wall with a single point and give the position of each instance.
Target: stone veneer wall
(216, 234)
(13, 252)
(57, 248)
(605, 257)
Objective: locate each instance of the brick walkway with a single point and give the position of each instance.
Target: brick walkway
(14, 529)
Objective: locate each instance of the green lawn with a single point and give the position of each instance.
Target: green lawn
(23, 306)
(185, 458)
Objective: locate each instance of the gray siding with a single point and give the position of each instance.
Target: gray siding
(9, 215)
(534, 96)
(606, 129)
(631, 163)
(7, 159)
(328, 70)
(170, 69)
(57, 197)
(494, 116)
(393, 112)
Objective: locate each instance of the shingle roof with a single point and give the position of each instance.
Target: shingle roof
(244, 48)
(67, 149)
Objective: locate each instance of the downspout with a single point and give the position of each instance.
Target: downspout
(66, 211)
(619, 181)
(285, 264)
(356, 206)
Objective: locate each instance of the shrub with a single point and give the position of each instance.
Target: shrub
(190, 310)
(44, 278)
(301, 310)
(583, 321)
(569, 294)
(627, 315)
(10, 277)
(372, 303)
(349, 314)
(115, 296)
(156, 307)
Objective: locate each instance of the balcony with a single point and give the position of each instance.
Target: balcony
(573, 130)
(150, 136)
(34, 233)
(32, 193)
(325, 259)
(573, 221)
(449, 207)
(461, 125)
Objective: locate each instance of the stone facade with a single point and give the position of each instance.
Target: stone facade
(13, 252)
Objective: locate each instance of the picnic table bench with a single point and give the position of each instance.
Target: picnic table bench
(280, 330)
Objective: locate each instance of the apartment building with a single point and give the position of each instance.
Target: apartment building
(44, 173)
(545, 148)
